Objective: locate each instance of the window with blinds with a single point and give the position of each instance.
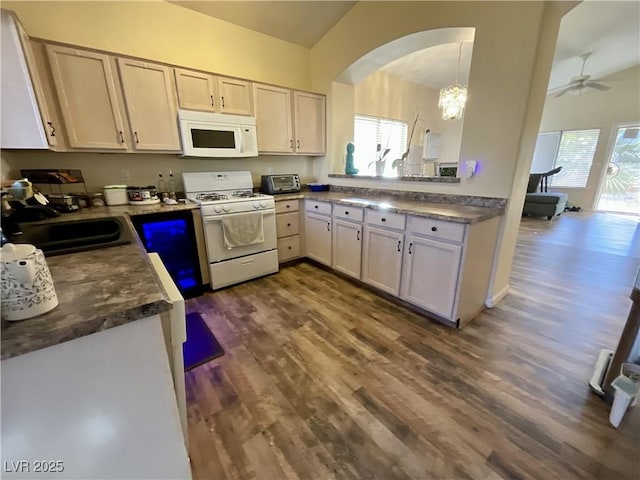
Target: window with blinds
(372, 136)
(573, 150)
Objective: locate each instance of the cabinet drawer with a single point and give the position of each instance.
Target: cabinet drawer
(385, 219)
(346, 212)
(287, 224)
(288, 248)
(287, 206)
(439, 229)
(323, 208)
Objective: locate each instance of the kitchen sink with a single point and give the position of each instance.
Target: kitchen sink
(57, 238)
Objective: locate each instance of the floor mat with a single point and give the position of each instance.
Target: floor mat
(201, 345)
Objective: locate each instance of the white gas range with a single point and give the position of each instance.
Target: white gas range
(239, 225)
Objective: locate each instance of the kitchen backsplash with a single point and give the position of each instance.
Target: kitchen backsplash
(101, 169)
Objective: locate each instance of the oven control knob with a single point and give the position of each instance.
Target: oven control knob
(256, 205)
(225, 208)
(217, 209)
(263, 204)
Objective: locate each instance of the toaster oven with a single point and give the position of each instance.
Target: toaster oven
(284, 183)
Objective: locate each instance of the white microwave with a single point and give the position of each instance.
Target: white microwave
(217, 135)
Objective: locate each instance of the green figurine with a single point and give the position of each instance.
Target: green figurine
(349, 169)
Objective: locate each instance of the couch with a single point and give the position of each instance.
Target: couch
(543, 203)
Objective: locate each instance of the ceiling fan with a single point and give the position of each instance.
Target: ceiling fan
(581, 83)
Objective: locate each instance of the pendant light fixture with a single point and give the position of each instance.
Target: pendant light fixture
(454, 97)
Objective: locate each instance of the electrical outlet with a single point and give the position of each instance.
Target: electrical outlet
(124, 175)
(270, 171)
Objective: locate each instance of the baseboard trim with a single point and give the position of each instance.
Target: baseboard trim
(491, 302)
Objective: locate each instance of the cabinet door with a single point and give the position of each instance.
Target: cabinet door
(46, 117)
(196, 90)
(273, 119)
(151, 105)
(318, 238)
(430, 274)
(86, 90)
(382, 259)
(235, 96)
(310, 125)
(347, 247)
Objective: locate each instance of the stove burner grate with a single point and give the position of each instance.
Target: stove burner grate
(210, 197)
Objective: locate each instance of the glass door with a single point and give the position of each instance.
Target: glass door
(620, 190)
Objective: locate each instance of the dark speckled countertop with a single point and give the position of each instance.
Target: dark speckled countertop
(96, 289)
(452, 212)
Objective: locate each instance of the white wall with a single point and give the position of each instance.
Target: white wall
(595, 109)
(388, 96)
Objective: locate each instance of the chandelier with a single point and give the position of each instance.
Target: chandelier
(454, 97)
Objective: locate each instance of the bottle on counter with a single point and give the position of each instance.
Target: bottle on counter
(172, 186)
(162, 187)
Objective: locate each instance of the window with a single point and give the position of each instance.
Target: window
(372, 136)
(573, 150)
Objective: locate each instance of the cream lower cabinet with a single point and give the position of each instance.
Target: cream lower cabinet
(151, 105)
(383, 250)
(288, 229)
(347, 240)
(430, 274)
(447, 266)
(317, 233)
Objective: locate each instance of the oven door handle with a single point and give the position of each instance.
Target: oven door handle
(217, 218)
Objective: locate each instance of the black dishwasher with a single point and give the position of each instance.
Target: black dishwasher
(172, 236)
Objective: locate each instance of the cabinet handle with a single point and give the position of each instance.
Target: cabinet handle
(434, 229)
(410, 245)
(399, 244)
(315, 206)
(289, 247)
(212, 101)
(288, 224)
(288, 206)
(121, 137)
(328, 227)
(291, 144)
(358, 235)
(383, 219)
(298, 143)
(346, 212)
(136, 135)
(53, 129)
(222, 101)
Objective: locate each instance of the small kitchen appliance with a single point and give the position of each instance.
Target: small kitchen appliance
(115, 194)
(239, 226)
(217, 135)
(285, 183)
(27, 286)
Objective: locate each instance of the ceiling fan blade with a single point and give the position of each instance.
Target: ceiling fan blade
(598, 86)
(563, 91)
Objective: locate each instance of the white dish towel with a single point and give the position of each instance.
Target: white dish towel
(242, 229)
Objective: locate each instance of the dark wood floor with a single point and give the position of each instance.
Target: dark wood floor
(322, 379)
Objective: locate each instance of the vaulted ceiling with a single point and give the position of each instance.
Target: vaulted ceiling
(609, 29)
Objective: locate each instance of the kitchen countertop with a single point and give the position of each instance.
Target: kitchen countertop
(120, 210)
(96, 289)
(440, 211)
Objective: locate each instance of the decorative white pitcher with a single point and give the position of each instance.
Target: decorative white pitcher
(27, 286)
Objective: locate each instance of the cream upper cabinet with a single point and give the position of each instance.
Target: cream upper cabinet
(211, 93)
(151, 105)
(273, 118)
(196, 90)
(289, 122)
(235, 96)
(310, 125)
(86, 90)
